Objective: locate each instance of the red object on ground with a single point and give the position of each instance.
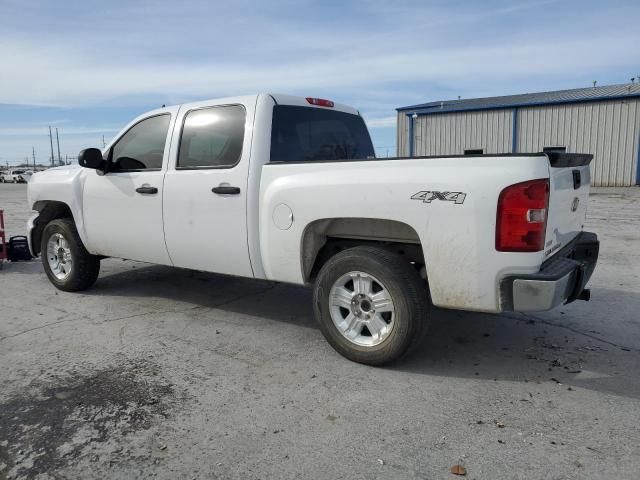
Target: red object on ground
(3, 238)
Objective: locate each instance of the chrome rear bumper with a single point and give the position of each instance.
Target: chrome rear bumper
(562, 278)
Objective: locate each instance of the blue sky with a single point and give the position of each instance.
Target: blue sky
(88, 67)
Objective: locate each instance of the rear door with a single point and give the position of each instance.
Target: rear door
(205, 199)
(570, 181)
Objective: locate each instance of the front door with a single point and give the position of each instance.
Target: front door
(122, 209)
(205, 197)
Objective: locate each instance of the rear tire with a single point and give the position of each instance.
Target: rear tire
(371, 304)
(66, 262)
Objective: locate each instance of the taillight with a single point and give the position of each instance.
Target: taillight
(320, 102)
(522, 216)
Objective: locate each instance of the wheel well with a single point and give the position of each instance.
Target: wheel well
(48, 210)
(325, 238)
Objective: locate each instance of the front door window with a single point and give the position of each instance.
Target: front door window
(142, 147)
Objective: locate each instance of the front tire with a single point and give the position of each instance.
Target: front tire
(66, 262)
(371, 304)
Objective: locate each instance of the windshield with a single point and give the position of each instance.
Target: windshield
(304, 133)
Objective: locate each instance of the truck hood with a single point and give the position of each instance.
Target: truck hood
(56, 174)
(61, 168)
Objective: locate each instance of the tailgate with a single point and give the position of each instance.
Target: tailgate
(569, 183)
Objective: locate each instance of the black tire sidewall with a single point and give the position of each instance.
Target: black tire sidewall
(85, 266)
(403, 284)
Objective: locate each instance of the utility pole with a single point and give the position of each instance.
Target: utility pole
(58, 141)
(33, 152)
(103, 142)
(51, 141)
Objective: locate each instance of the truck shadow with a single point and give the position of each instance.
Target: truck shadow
(572, 346)
(274, 301)
(591, 345)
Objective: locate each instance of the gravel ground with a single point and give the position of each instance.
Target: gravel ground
(167, 373)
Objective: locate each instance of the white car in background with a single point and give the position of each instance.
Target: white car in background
(17, 176)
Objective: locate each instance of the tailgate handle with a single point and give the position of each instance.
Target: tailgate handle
(577, 180)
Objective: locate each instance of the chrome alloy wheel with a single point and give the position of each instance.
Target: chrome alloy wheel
(59, 256)
(361, 308)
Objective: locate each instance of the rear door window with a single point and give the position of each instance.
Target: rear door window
(212, 137)
(308, 134)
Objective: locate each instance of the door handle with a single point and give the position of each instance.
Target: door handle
(577, 181)
(147, 190)
(226, 190)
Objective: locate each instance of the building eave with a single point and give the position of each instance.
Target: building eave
(434, 108)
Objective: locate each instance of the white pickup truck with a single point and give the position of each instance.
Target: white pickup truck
(16, 176)
(288, 189)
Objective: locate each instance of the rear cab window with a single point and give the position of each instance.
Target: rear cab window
(313, 134)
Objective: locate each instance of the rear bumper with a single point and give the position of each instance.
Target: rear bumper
(561, 279)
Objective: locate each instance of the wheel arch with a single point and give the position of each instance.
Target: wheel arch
(48, 210)
(323, 238)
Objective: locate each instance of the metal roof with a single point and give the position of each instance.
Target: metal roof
(608, 92)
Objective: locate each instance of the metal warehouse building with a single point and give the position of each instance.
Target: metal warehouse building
(604, 121)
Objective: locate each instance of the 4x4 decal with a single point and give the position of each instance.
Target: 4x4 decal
(427, 196)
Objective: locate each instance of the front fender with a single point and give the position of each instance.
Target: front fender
(63, 185)
(31, 225)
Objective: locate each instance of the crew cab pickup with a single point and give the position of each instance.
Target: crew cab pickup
(288, 189)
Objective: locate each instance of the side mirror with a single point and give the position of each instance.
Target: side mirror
(91, 158)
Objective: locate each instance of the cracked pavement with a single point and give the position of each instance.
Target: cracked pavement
(166, 373)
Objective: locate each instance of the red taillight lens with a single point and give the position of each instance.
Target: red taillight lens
(320, 102)
(522, 216)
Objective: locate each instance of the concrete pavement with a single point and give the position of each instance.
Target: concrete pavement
(166, 373)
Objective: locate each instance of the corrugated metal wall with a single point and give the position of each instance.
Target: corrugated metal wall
(453, 133)
(402, 135)
(608, 130)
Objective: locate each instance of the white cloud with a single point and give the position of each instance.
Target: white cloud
(373, 54)
(383, 122)
(51, 76)
(371, 45)
(32, 131)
